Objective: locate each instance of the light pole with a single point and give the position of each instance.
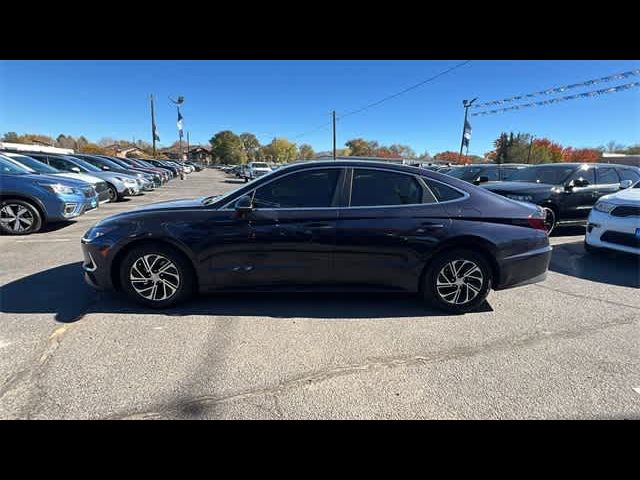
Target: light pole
(466, 104)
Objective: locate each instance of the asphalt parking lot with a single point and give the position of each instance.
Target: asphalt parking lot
(565, 348)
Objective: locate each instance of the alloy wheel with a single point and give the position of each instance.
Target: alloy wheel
(16, 217)
(459, 282)
(549, 219)
(154, 277)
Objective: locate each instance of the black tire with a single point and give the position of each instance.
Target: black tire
(551, 218)
(27, 213)
(186, 278)
(450, 302)
(113, 193)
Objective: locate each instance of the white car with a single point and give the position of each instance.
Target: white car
(614, 222)
(255, 170)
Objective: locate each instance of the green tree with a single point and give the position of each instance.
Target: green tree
(11, 137)
(227, 147)
(360, 147)
(306, 151)
(250, 145)
(404, 151)
(280, 150)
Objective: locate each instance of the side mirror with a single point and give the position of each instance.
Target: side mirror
(482, 179)
(75, 169)
(244, 204)
(581, 182)
(625, 184)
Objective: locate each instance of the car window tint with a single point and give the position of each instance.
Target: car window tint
(507, 172)
(442, 192)
(607, 175)
(587, 175)
(492, 174)
(379, 188)
(311, 189)
(628, 174)
(59, 163)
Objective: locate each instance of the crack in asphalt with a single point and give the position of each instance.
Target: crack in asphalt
(578, 295)
(196, 404)
(33, 374)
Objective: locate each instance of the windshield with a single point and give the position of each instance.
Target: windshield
(110, 163)
(84, 164)
(11, 168)
(466, 173)
(216, 198)
(550, 174)
(33, 164)
(260, 165)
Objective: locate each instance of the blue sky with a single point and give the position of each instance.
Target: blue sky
(287, 97)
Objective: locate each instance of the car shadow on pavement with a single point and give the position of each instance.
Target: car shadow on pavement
(62, 291)
(568, 231)
(614, 268)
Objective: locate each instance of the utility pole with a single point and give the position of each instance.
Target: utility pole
(466, 104)
(333, 116)
(187, 146)
(530, 147)
(153, 128)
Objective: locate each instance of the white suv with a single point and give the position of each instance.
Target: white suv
(255, 170)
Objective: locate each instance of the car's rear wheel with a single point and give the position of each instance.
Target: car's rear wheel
(19, 217)
(156, 276)
(458, 281)
(550, 219)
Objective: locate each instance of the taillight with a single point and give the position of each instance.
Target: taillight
(537, 223)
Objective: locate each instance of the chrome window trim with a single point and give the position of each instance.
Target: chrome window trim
(253, 191)
(422, 182)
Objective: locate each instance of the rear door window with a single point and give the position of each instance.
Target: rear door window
(607, 176)
(371, 188)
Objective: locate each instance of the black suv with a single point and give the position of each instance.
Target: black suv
(483, 173)
(567, 191)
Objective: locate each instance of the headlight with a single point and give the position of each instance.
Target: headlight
(521, 198)
(97, 232)
(59, 188)
(604, 207)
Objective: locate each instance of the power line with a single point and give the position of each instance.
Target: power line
(401, 92)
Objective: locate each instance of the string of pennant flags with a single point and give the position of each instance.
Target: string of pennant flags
(551, 91)
(593, 93)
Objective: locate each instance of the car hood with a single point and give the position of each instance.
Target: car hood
(628, 196)
(57, 178)
(517, 187)
(105, 175)
(79, 176)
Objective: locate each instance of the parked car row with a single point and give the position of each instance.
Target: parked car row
(566, 191)
(38, 188)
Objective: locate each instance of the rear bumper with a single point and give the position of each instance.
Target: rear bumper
(601, 223)
(524, 269)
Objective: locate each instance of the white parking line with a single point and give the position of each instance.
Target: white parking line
(637, 390)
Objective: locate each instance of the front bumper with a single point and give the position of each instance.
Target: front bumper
(600, 222)
(524, 268)
(96, 265)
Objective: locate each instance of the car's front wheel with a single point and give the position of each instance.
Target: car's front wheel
(18, 217)
(457, 281)
(156, 276)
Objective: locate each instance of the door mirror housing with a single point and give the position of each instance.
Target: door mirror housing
(481, 179)
(625, 184)
(244, 204)
(75, 169)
